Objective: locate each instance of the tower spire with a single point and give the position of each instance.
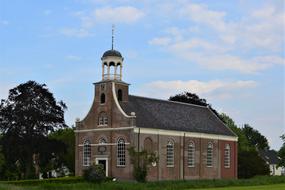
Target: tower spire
(113, 30)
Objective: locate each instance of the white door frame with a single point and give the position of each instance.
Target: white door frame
(106, 159)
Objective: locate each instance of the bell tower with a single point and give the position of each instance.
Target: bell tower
(112, 67)
(112, 60)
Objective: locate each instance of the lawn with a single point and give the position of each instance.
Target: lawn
(87, 186)
(262, 187)
(77, 183)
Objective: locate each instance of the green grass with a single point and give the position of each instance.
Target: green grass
(75, 183)
(85, 186)
(263, 187)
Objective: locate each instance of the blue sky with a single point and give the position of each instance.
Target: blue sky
(229, 52)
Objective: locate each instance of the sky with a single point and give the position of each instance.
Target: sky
(228, 52)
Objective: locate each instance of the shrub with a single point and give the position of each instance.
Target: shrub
(250, 164)
(94, 173)
(141, 161)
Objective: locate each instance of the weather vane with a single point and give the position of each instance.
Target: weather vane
(113, 30)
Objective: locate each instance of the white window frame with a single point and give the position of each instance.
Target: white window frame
(209, 158)
(103, 119)
(121, 153)
(227, 156)
(170, 154)
(191, 154)
(86, 153)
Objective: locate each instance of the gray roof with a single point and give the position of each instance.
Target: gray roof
(112, 52)
(169, 115)
(270, 156)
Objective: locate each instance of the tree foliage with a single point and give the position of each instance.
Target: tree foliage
(188, 97)
(27, 116)
(192, 98)
(250, 164)
(67, 137)
(141, 161)
(255, 138)
(243, 144)
(94, 173)
(281, 152)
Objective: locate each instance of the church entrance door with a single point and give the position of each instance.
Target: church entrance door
(104, 163)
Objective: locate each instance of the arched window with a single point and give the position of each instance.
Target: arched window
(210, 155)
(191, 154)
(86, 153)
(102, 98)
(121, 152)
(148, 144)
(120, 95)
(102, 119)
(170, 154)
(227, 156)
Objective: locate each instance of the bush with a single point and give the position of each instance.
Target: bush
(250, 164)
(94, 173)
(62, 180)
(141, 161)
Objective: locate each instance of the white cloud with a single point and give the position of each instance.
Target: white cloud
(201, 14)
(73, 58)
(233, 44)
(4, 22)
(120, 14)
(163, 41)
(217, 88)
(123, 14)
(73, 32)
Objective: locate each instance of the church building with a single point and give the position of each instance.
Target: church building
(190, 140)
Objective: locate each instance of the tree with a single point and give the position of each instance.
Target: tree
(243, 144)
(191, 98)
(255, 138)
(67, 137)
(249, 161)
(141, 161)
(281, 152)
(250, 164)
(27, 116)
(188, 97)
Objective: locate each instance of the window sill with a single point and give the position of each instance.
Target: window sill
(170, 166)
(191, 166)
(102, 125)
(120, 166)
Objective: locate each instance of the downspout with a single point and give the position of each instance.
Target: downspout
(183, 177)
(200, 158)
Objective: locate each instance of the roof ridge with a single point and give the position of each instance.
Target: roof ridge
(220, 120)
(170, 101)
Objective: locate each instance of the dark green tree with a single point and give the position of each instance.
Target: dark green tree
(27, 116)
(192, 98)
(281, 152)
(243, 144)
(67, 137)
(255, 138)
(250, 164)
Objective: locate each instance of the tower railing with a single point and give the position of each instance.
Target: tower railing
(111, 77)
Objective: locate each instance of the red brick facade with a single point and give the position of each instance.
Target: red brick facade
(122, 126)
